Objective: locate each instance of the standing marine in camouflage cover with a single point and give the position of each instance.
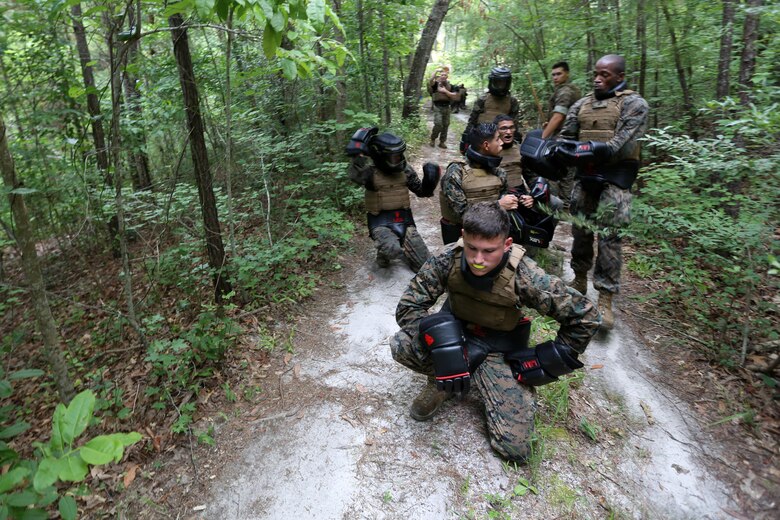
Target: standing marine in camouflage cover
(608, 122)
(564, 96)
(388, 179)
(481, 334)
(478, 179)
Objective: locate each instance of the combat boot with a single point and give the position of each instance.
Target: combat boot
(427, 403)
(442, 144)
(382, 260)
(432, 143)
(580, 282)
(605, 308)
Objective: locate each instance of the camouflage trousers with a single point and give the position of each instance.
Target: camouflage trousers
(562, 188)
(441, 122)
(509, 406)
(609, 208)
(389, 245)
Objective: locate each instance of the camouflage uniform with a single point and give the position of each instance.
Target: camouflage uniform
(441, 110)
(362, 171)
(611, 207)
(482, 112)
(452, 193)
(564, 97)
(509, 406)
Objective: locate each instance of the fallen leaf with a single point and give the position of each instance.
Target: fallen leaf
(648, 412)
(286, 359)
(130, 475)
(297, 371)
(596, 367)
(360, 388)
(199, 508)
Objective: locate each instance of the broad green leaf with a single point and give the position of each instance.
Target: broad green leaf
(278, 21)
(289, 69)
(268, 9)
(14, 430)
(67, 508)
(178, 7)
(75, 91)
(100, 450)
(315, 10)
(78, 415)
(57, 425)
(126, 439)
(23, 499)
(3, 512)
(5, 389)
(22, 374)
(29, 514)
(12, 478)
(335, 19)
(222, 7)
(269, 41)
(72, 468)
(7, 455)
(47, 474)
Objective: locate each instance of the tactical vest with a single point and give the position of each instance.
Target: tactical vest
(510, 163)
(478, 185)
(391, 192)
(496, 309)
(495, 105)
(438, 96)
(598, 120)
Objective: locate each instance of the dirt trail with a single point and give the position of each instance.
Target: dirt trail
(340, 442)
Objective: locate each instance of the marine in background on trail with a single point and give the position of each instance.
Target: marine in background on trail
(378, 164)
(442, 95)
(481, 336)
(497, 100)
(479, 178)
(600, 137)
(564, 96)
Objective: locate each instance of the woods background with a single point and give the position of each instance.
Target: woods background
(173, 168)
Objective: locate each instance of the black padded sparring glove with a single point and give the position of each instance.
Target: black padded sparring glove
(540, 191)
(464, 142)
(431, 176)
(443, 335)
(358, 143)
(582, 152)
(543, 364)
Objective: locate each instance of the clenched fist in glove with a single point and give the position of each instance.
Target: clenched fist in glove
(543, 364)
(443, 335)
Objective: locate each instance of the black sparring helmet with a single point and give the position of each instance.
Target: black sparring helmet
(499, 81)
(387, 151)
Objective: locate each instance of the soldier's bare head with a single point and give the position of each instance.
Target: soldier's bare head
(486, 220)
(560, 73)
(484, 139)
(486, 237)
(610, 72)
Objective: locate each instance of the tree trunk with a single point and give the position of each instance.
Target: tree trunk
(641, 39)
(414, 80)
(590, 39)
(363, 64)
(25, 240)
(93, 103)
(142, 179)
(726, 44)
(687, 101)
(747, 63)
(385, 66)
(340, 83)
(200, 161)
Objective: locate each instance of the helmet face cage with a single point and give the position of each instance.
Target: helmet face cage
(387, 151)
(499, 81)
